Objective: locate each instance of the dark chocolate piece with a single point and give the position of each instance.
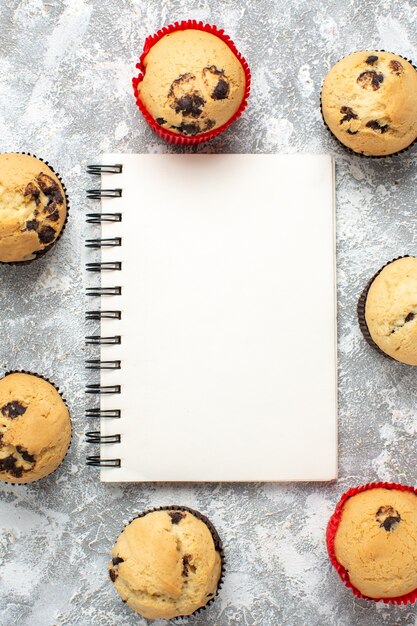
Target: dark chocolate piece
(352, 132)
(32, 225)
(113, 575)
(13, 409)
(54, 217)
(187, 129)
(185, 563)
(9, 465)
(190, 105)
(176, 516)
(410, 317)
(160, 121)
(372, 59)
(370, 80)
(116, 560)
(396, 67)
(221, 91)
(46, 234)
(32, 190)
(387, 517)
(348, 114)
(25, 454)
(375, 125)
(50, 188)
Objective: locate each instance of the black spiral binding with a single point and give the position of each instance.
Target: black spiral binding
(94, 436)
(111, 242)
(98, 218)
(104, 291)
(102, 267)
(103, 315)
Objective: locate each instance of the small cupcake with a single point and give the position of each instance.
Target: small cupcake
(369, 102)
(372, 542)
(193, 82)
(33, 207)
(387, 310)
(35, 428)
(167, 563)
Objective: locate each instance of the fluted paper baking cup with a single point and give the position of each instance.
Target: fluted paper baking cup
(64, 401)
(218, 544)
(367, 156)
(39, 253)
(168, 135)
(331, 531)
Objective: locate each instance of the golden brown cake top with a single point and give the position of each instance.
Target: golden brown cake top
(193, 82)
(369, 101)
(391, 310)
(376, 541)
(32, 207)
(166, 564)
(35, 428)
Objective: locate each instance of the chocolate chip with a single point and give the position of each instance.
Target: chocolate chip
(25, 454)
(221, 90)
(190, 105)
(187, 129)
(213, 70)
(54, 217)
(209, 124)
(371, 59)
(348, 114)
(160, 121)
(46, 183)
(46, 234)
(50, 188)
(13, 409)
(352, 132)
(370, 80)
(9, 465)
(387, 517)
(375, 125)
(113, 575)
(32, 225)
(185, 563)
(410, 317)
(396, 67)
(176, 517)
(116, 560)
(209, 595)
(32, 190)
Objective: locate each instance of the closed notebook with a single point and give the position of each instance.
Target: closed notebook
(218, 318)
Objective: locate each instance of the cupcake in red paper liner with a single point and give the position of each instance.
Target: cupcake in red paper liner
(372, 542)
(193, 83)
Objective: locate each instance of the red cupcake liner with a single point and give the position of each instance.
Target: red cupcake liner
(361, 306)
(39, 253)
(367, 156)
(150, 41)
(332, 527)
(64, 401)
(218, 544)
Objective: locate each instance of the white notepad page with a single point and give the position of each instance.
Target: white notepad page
(228, 350)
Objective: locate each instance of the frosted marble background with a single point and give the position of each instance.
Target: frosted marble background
(65, 94)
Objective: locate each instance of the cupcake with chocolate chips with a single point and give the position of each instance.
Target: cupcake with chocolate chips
(35, 428)
(193, 82)
(33, 207)
(369, 102)
(167, 563)
(387, 310)
(372, 542)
